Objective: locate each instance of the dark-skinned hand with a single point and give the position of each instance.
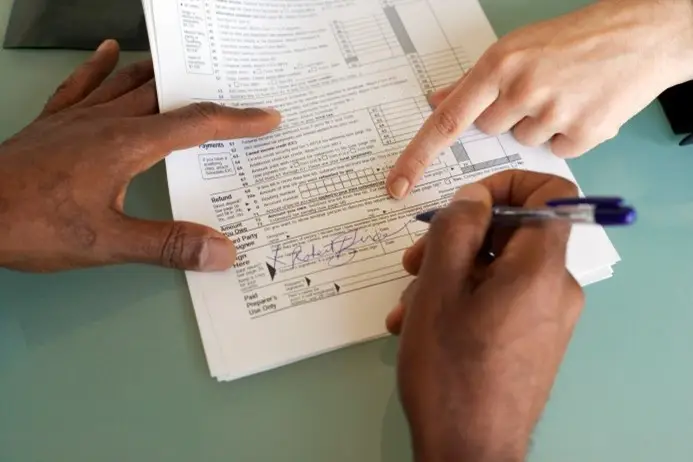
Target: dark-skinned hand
(482, 339)
(63, 178)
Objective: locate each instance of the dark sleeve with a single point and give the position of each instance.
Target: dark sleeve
(677, 103)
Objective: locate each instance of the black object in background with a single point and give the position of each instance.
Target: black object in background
(76, 24)
(677, 103)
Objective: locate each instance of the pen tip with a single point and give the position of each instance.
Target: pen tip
(425, 217)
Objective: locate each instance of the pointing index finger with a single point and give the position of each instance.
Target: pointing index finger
(455, 114)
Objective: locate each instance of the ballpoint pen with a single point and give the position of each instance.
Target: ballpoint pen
(604, 211)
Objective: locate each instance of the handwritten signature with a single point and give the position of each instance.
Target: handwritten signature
(340, 250)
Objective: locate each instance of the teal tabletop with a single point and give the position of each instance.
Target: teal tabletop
(107, 364)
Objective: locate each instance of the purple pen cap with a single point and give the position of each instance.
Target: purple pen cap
(605, 201)
(622, 216)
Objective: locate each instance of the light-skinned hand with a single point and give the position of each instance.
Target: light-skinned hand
(571, 82)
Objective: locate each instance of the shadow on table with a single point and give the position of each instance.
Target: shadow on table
(395, 444)
(35, 309)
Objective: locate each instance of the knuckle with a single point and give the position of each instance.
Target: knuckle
(173, 248)
(413, 165)
(136, 72)
(487, 124)
(88, 71)
(552, 116)
(527, 91)
(525, 135)
(493, 58)
(459, 218)
(522, 92)
(605, 132)
(67, 86)
(446, 123)
(611, 134)
(506, 177)
(581, 132)
(588, 134)
(564, 148)
(130, 76)
(82, 115)
(566, 187)
(552, 185)
(205, 114)
(410, 167)
(503, 61)
(111, 134)
(206, 111)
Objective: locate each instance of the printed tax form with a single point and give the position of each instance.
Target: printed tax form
(319, 241)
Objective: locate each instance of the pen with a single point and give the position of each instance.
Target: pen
(604, 211)
(687, 140)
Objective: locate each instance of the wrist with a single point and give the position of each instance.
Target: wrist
(672, 41)
(470, 439)
(682, 40)
(465, 449)
(485, 420)
(660, 33)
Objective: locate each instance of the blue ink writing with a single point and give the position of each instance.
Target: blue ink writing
(339, 251)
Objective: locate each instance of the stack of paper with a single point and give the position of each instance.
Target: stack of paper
(319, 241)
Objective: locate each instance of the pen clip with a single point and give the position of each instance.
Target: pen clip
(595, 201)
(608, 211)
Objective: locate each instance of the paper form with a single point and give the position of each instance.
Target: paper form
(319, 241)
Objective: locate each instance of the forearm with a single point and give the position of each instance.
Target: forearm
(666, 27)
(487, 414)
(681, 34)
(458, 448)
(473, 428)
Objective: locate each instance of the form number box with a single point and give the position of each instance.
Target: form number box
(217, 165)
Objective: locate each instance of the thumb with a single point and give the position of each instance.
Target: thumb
(172, 244)
(455, 238)
(456, 235)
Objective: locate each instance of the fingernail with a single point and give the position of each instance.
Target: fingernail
(474, 192)
(407, 253)
(414, 248)
(434, 95)
(218, 255)
(105, 44)
(257, 111)
(399, 187)
(393, 321)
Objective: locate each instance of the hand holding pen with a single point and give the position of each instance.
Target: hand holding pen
(603, 211)
(488, 336)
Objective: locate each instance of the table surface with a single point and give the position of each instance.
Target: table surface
(107, 364)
